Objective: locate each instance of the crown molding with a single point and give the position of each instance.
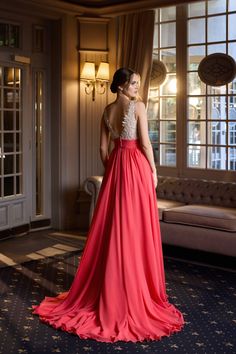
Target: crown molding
(86, 19)
(56, 8)
(93, 51)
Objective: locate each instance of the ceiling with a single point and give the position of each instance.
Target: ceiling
(100, 3)
(112, 7)
(89, 8)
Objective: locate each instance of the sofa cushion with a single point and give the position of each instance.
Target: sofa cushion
(197, 191)
(163, 204)
(201, 215)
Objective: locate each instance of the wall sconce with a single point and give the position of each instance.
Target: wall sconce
(95, 82)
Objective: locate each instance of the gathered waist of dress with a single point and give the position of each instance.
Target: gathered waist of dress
(126, 143)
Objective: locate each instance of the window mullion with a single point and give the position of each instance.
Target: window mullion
(181, 72)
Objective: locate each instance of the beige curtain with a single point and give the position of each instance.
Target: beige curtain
(135, 45)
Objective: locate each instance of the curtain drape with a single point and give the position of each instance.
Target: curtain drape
(135, 45)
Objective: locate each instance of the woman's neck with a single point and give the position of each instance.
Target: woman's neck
(122, 97)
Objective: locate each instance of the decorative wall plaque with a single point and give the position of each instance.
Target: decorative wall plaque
(158, 74)
(217, 69)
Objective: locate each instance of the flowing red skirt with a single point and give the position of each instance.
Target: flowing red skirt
(118, 292)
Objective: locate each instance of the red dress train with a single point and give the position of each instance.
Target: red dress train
(118, 292)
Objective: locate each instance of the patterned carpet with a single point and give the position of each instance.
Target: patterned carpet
(205, 295)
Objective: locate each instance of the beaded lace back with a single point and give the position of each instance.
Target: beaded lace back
(129, 124)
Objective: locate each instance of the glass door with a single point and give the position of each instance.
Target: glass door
(12, 195)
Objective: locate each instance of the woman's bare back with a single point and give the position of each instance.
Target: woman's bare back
(121, 120)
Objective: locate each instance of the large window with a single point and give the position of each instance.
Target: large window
(206, 117)
(162, 100)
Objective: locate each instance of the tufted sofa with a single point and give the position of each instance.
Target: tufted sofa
(196, 214)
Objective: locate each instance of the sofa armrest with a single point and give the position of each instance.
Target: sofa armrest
(92, 186)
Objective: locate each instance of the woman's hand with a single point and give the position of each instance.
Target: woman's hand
(154, 174)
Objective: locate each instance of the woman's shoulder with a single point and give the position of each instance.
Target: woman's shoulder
(109, 106)
(139, 105)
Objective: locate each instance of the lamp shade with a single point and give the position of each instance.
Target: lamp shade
(103, 72)
(88, 71)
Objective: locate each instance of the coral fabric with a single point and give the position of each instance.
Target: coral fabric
(118, 292)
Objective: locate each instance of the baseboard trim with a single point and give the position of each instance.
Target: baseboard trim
(24, 229)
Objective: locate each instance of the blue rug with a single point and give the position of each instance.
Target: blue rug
(205, 295)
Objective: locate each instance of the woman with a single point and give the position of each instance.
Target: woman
(118, 292)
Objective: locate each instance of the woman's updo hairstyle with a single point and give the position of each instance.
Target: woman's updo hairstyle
(120, 77)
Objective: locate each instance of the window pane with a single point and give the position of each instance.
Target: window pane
(168, 132)
(196, 31)
(168, 155)
(168, 57)
(14, 36)
(8, 77)
(217, 158)
(216, 6)
(196, 156)
(232, 26)
(216, 133)
(219, 23)
(195, 55)
(168, 108)
(18, 184)
(168, 34)
(195, 85)
(17, 98)
(216, 90)
(169, 87)
(197, 132)
(232, 159)
(8, 186)
(17, 77)
(8, 164)
(8, 120)
(153, 130)
(197, 9)
(18, 163)
(232, 107)
(197, 108)
(9, 142)
(4, 29)
(8, 98)
(168, 13)
(232, 133)
(232, 87)
(153, 107)
(232, 49)
(156, 39)
(216, 48)
(18, 145)
(217, 107)
(17, 120)
(232, 5)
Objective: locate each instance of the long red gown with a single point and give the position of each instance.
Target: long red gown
(118, 292)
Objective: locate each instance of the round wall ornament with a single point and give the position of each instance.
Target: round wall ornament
(217, 69)
(158, 74)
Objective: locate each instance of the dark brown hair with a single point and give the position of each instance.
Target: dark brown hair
(120, 77)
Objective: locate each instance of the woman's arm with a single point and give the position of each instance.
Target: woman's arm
(144, 137)
(104, 142)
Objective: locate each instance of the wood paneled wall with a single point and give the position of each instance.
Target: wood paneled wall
(95, 43)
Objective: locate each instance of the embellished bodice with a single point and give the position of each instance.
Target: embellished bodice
(129, 124)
